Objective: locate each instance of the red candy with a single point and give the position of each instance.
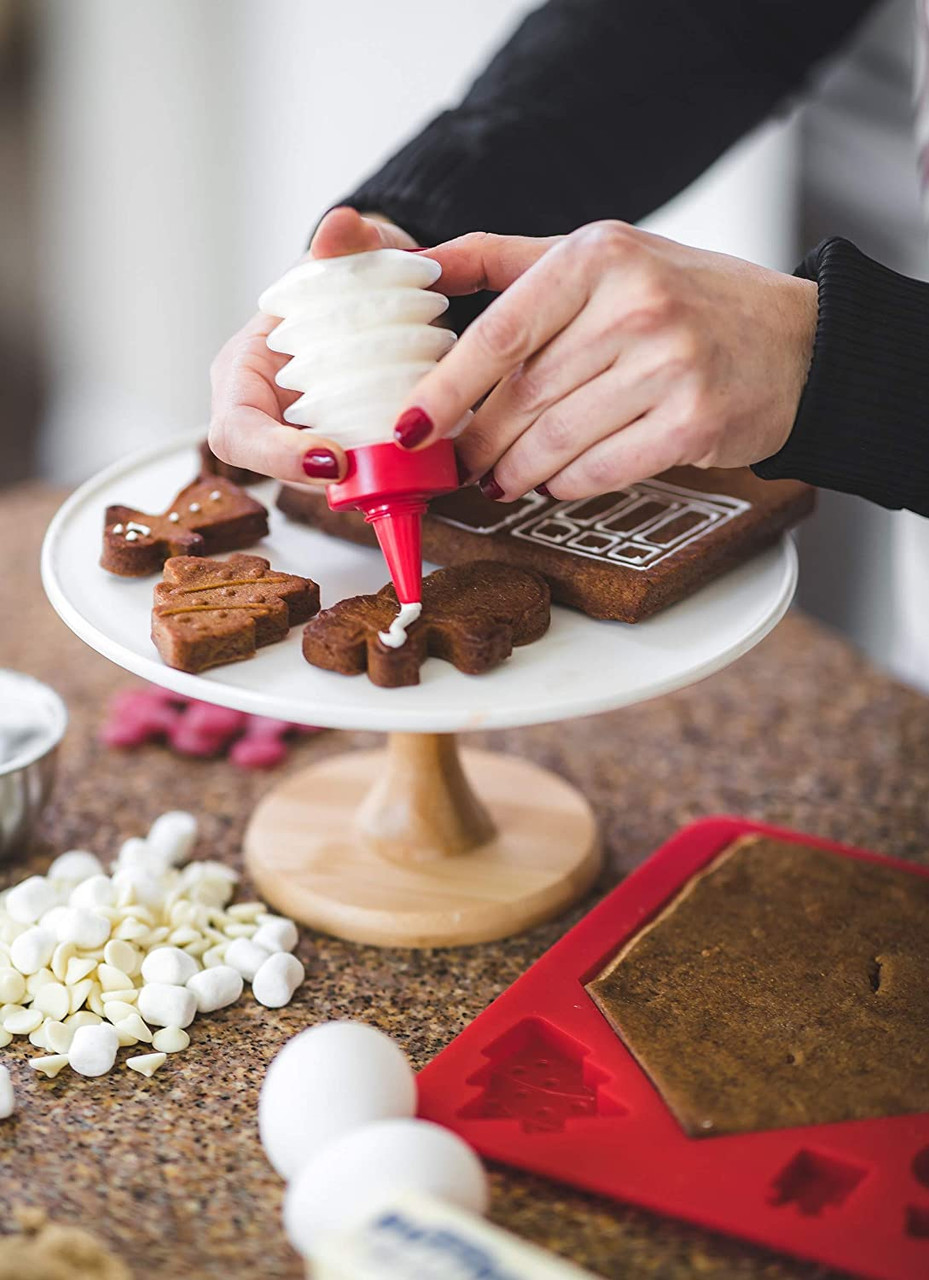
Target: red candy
(191, 728)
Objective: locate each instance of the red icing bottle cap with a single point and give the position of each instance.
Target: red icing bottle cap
(393, 487)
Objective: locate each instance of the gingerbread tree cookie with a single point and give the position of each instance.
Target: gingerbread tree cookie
(209, 612)
(473, 616)
(206, 517)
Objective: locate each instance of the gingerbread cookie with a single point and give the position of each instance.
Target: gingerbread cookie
(206, 517)
(473, 616)
(208, 612)
(623, 555)
(210, 465)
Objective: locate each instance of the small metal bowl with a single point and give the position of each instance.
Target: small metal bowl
(33, 720)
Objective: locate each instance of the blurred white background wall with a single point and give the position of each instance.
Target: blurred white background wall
(188, 148)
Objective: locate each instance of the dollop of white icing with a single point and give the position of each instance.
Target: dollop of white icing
(395, 635)
(360, 331)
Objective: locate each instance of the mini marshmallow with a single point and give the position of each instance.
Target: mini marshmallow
(169, 965)
(172, 836)
(50, 1064)
(134, 885)
(12, 986)
(32, 950)
(247, 957)
(75, 865)
(93, 1049)
(133, 853)
(215, 988)
(86, 929)
(164, 1005)
(276, 934)
(30, 899)
(276, 981)
(51, 919)
(170, 1040)
(7, 1101)
(95, 891)
(146, 1063)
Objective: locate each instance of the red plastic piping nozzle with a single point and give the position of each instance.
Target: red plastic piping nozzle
(393, 489)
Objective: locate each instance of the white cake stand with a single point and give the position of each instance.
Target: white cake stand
(394, 847)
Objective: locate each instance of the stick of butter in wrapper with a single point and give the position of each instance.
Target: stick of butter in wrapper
(415, 1235)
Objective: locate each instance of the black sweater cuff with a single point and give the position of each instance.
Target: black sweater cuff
(861, 426)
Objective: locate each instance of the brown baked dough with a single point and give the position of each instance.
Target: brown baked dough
(209, 516)
(622, 556)
(784, 986)
(209, 612)
(473, 616)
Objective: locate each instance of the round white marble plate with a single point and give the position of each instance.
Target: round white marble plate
(580, 667)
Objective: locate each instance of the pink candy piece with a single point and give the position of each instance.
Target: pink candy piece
(138, 715)
(193, 728)
(205, 730)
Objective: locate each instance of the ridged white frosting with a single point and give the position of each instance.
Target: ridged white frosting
(360, 331)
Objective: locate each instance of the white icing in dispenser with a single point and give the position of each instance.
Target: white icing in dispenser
(395, 635)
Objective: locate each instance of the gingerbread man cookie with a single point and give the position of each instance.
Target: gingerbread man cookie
(206, 517)
(209, 612)
(473, 616)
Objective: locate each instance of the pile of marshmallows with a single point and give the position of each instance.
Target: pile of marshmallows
(336, 1121)
(90, 962)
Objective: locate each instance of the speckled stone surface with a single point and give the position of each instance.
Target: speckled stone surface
(169, 1171)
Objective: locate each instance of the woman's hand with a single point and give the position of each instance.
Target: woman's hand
(611, 355)
(246, 419)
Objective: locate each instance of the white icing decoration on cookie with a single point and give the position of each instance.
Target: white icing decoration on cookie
(174, 517)
(395, 636)
(134, 527)
(132, 536)
(117, 528)
(194, 506)
(215, 495)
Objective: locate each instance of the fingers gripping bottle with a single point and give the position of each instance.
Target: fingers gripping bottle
(360, 331)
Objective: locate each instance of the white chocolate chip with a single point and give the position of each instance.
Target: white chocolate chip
(83, 1018)
(37, 1037)
(128, 995)
(7, 1101)
(53, 1000)
(165, 1005)
(170, 1040)
(12, 986)
(276, 981)
(37, 980)
(146, 1063)
(50, 1064)
(62, 956)
(79, 992)
(134, 1026)
(121, 955)
(248, 911)
(111, 978)
(58, 1036)
(93, 1049)
(79, 968)
(118, 1010)
(21, 1022)
(277, 934)
(32, 950)
(246, 956)
(216, 988)
(5, 1037)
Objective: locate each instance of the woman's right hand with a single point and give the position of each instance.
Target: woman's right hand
(247, 427)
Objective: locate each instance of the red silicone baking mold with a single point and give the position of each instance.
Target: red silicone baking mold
(541, 1081)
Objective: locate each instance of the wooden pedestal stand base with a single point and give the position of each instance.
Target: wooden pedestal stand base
(394, 848)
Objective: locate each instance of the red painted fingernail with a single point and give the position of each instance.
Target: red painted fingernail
(489, 487)
(412, 427)
(321, 464)
(543, 489)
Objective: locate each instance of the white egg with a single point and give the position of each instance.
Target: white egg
(325, 1082)
(355, 1173)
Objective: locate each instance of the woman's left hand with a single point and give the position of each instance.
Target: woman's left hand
(610, 355)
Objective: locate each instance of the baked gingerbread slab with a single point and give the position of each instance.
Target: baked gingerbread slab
(473, 616)
(210, 612)
(783, 986)
(621, 556)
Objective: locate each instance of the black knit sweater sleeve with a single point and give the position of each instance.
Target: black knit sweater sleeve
(602, 109)
(863, 422)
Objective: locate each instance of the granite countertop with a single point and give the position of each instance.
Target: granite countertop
(169, 1171)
